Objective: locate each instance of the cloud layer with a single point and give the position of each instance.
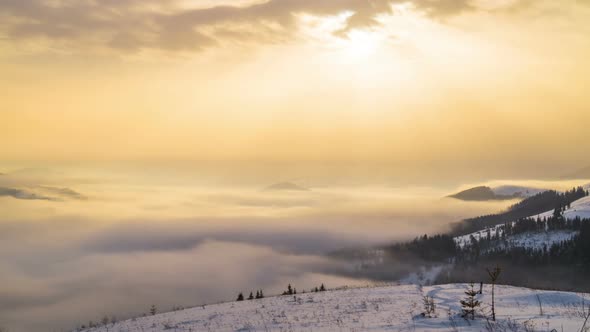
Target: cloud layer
(131, 25)
(132, 244)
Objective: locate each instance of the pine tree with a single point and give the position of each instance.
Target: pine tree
(240, 297)
(153, 310)
(322, 288)
(470, 304)
(261, 294)
(251, 297)
(289, 290)
(257, 294)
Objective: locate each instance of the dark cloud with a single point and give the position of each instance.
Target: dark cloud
(149, 238)
(64, 192)
(22, 194)
(30, 184)
(130, 25)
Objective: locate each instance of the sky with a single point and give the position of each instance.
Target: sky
(420, 86)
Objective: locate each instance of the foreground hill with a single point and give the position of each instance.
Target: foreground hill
(391, 308)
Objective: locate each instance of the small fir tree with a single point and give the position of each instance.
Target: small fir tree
(470, 303)
(240, 297)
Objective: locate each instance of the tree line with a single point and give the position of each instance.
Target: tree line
(289, 291)
(537, 204)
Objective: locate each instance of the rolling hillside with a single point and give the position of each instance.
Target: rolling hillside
(388, 308)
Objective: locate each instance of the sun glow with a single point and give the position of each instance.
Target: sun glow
(352, 46)
(360, 44)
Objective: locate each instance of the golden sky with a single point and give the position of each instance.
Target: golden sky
(410, 82)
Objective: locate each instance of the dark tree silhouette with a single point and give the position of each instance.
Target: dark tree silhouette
(494, 275)
(470, 304)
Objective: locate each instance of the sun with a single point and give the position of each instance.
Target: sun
(360, 44)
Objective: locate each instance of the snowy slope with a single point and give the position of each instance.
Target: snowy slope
(392, 308)
(579, 208)
(519, 191)
(466, 239)
(536, 240)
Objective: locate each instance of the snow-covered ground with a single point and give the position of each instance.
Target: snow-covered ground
(466, 239)
(579, 208)
(519, 191)
(388, 308)
(536, 240)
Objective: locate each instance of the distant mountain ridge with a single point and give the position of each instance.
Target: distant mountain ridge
(482, 193)
(530, 206)
(504, 192)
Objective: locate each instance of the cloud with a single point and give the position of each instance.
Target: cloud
(84, 287)
(64, 192)
(131, 25)
(152, 238)
(22, 194)
(31, 183)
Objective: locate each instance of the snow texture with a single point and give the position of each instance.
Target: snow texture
(535, 240)
(579, 208)
(390, 308)
(519, 191)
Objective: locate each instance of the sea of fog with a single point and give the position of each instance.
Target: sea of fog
(76, 245)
